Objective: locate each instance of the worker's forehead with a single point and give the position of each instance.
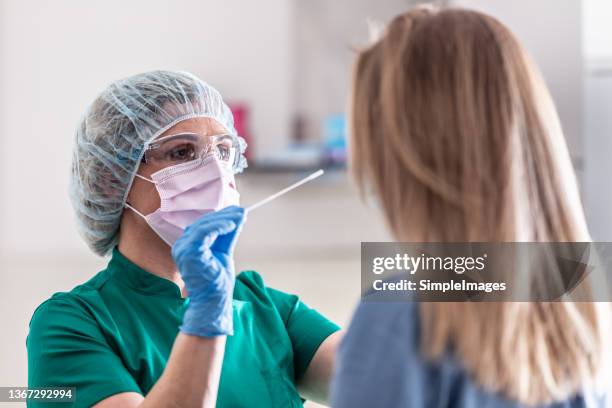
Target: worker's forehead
(202, 126)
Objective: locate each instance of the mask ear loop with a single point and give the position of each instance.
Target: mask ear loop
(135, 210)
(127, 205)
(144, 178)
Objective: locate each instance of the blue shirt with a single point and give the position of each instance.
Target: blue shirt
(379, 365)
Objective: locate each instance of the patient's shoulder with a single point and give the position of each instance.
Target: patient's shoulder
(387, 316)
(385, 322)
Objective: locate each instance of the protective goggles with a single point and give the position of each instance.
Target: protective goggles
(185, 147)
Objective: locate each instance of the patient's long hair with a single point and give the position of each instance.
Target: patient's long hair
(455, 131)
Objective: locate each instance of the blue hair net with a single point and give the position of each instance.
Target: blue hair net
(112, 136)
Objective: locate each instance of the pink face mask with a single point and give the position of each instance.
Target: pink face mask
(188, 191)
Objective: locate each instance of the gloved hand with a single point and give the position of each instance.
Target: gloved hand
(203, 255)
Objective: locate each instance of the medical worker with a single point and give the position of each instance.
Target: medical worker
(167, 322)
(455, 132)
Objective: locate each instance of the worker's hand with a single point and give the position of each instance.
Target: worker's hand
(203, 255)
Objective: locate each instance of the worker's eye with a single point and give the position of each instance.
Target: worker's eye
(223, 151)
(182, 152)
(225, 148)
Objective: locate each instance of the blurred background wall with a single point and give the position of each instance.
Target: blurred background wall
(597, 106)
(287, 62)
(58, 55)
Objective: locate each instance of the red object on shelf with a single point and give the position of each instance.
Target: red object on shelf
(241, 123)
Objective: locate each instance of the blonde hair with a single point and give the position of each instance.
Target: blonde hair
(455, 131)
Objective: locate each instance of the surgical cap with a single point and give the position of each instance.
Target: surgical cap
(113, 134)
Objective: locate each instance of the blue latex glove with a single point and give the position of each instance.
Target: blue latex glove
(203, 255)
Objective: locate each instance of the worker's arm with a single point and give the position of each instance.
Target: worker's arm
(315, 383)
(203, 256)
(191, 377)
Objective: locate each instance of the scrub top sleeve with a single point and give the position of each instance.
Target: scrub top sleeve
(307, 328)
(66, 348)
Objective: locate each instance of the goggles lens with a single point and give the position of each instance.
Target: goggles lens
(185, 147)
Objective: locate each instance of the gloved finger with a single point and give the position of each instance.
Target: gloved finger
(230, 208)
(217, 227)
(216, 215)
(235, 214)
(193, 239)
(225, 243)
(198, 251)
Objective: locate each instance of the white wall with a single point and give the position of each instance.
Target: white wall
(598, 151)
(597, 18)
(56, 56)
(327, 34)
(551, 31)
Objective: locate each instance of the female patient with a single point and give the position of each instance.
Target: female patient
(455, 132)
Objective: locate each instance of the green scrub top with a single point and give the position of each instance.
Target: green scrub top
(114, 334)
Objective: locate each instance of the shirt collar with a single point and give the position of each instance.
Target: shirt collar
(133, 276)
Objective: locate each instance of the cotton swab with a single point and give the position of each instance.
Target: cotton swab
(274, 196)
